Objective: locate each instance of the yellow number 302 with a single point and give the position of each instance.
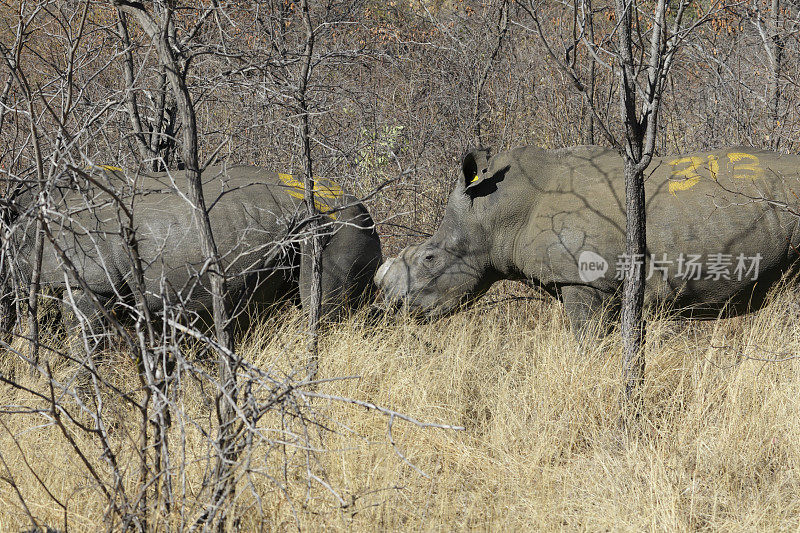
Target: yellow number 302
(684, 170)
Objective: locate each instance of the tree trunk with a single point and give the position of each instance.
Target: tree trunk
(33, 295)
(776, 58)
(588, 131)
(477, 116)
(8, 308)
(312, 248)
(633, 328)
(8, 305)
(588, 15)
(227, 364)
(632, 325)
(159, 32)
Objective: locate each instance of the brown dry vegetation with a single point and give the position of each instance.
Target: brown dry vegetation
(719, 448)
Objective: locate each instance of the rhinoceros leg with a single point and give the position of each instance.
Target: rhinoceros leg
(587, 311)
(350, 258)
(84, 330)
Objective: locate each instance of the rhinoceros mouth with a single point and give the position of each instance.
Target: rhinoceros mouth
(419, 310)
(422, 297)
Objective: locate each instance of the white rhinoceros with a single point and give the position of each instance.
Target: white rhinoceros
(720, 231)
(256, 218)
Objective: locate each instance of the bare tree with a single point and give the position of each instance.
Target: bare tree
(154, 135)
(160, 28)
(78, 204)
(769, 29)
(502, 30)
(313, 250)
(641, 70)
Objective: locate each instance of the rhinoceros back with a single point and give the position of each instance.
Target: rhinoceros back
(253, 214)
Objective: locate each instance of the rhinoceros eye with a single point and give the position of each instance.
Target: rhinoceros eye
(428, 258)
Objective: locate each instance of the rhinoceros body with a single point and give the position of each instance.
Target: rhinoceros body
(719, 233)
(254, 216)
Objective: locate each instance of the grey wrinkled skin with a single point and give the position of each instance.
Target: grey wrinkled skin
(529, 213)
(254, 216)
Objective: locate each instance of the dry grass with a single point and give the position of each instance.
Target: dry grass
(719, 447)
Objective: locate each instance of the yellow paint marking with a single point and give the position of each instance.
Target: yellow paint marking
(713, 166)
(104, 167)
(688, 175)
(737, 163)
(322, 192)
(740, 165)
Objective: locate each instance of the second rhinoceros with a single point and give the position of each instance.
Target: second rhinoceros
(256, 218)
(720, 231)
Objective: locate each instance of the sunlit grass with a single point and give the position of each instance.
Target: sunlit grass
(719, 447)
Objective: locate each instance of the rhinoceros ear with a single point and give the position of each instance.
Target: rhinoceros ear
(475, 167)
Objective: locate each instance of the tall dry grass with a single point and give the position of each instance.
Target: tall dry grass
(719, 447)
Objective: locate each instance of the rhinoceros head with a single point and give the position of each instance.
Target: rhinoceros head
(451, 268)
